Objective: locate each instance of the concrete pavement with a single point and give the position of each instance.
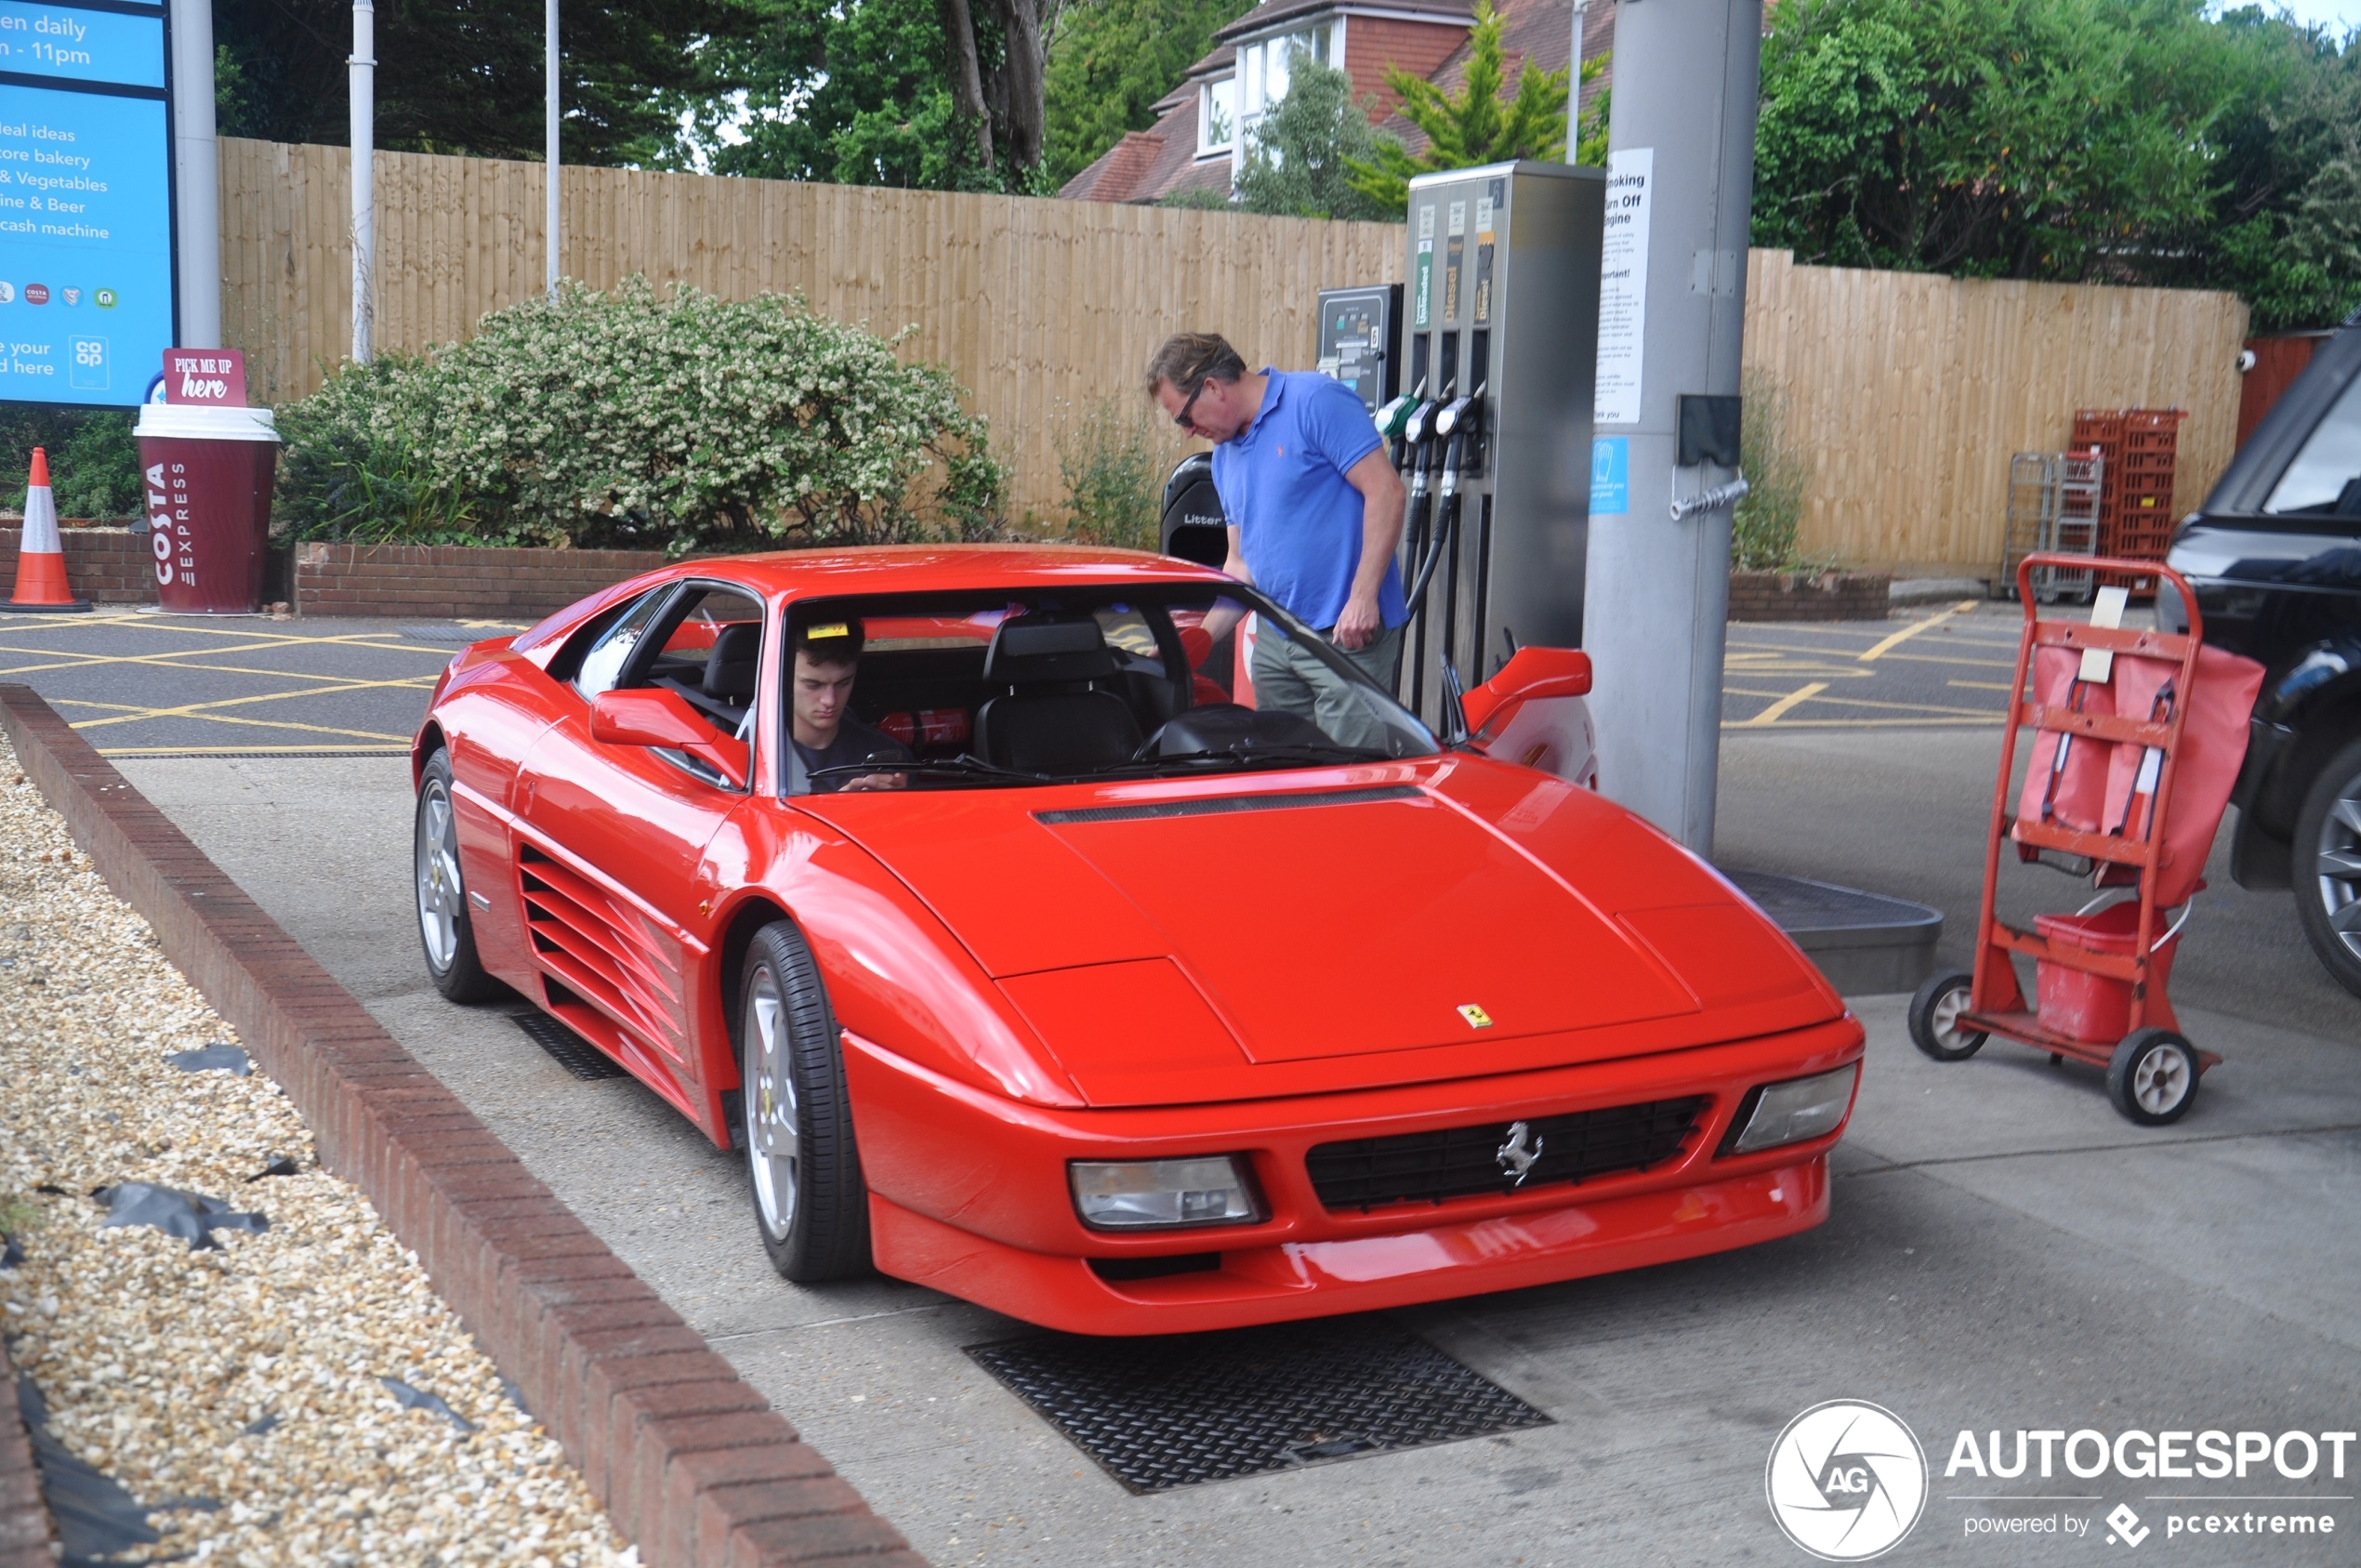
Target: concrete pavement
(2005, 1251)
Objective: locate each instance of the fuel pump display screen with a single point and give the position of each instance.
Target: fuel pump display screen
(1361, 339)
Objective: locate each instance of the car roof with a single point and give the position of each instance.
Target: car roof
(897, 569)
(930, 568)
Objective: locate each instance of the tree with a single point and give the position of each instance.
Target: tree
(1472, 126)
(458, 77)
(2035, 138)
(1299, 158)
(1110, 62)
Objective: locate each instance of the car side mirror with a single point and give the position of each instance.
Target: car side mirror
(651, 716)
(1530, 674)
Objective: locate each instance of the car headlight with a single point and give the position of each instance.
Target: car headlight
(1794, 1112)
(1160, 1195)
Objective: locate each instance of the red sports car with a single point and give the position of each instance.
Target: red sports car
(970, 893)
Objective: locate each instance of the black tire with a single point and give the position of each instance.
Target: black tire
(2153, 1076)
(810, 1203)
(1933, 1014)
(2327, 866)
(446, 923)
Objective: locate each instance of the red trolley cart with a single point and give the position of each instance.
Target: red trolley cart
(2138, 736)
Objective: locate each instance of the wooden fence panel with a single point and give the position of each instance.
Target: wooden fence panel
(1905, 392)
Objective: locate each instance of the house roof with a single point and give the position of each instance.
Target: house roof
(1148, 165)
(1271, 13)
(1538, 30)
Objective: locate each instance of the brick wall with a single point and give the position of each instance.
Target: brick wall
(1805, 595)
(103, 565)
(25, 1518)
(455, 581)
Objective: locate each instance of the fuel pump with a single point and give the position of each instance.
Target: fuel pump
(1501, 314)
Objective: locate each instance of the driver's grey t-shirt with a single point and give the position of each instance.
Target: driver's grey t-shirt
(855, 742)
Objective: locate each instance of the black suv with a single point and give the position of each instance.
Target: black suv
(2275, 558)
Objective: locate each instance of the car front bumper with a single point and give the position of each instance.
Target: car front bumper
(969, 1194)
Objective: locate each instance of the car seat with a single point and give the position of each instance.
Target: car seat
(1053, 718)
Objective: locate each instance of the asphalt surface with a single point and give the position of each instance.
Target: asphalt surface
(139, 684)
(2004, 1251)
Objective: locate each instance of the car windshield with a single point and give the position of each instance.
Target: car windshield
(1009, 689)
(2325, 479)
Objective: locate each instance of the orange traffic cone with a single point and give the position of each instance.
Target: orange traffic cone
(40, 557)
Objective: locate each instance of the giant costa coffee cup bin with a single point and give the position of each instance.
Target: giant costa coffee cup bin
(206, 498)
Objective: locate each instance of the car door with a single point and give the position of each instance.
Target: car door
(613, 836)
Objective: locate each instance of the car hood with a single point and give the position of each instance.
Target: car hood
(1176, 944)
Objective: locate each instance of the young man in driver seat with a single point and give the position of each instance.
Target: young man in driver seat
(823, 732)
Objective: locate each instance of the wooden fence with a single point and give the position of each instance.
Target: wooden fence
(1040, 306)
(1906, 394)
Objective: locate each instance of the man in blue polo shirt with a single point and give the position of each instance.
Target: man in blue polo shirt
(1315, 514)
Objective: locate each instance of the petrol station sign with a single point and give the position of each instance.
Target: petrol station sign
(86, 281)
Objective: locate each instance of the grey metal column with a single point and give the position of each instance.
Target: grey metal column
(196, 176)
(550, 233)
(1681, 182)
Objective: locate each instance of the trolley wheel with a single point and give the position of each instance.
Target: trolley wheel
(2153, 1076)
(1934, 1018)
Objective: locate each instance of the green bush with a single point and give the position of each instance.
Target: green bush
(630, 420)
(94, 464)
(1107, 459)
(1764, 525)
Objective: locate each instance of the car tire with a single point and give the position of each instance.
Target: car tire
(446, 926)
(2153, 1076)
(2326, 869)
(1934, 1013)
(802, 1166)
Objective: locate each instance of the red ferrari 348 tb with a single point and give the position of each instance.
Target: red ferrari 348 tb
(968, 892)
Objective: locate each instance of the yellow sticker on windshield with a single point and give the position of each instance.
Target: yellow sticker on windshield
(834, 628)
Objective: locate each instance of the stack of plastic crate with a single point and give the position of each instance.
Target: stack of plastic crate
(2140, 447)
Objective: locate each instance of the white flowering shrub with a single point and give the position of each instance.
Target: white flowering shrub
(630, 420)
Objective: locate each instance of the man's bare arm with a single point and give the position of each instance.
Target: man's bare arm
(1382, 499)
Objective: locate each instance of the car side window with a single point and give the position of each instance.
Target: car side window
(2325, 479)
(603, 665)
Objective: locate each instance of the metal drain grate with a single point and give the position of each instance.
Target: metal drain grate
(572, 1052)
(1170, 1411)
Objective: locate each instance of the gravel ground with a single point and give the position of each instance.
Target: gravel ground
(163, 1366)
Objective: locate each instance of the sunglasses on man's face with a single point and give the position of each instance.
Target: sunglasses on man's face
(1182, 418)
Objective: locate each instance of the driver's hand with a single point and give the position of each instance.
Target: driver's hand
(1360, 623)
(878, 781)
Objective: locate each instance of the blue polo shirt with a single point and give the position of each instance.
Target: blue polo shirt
(1298, 519)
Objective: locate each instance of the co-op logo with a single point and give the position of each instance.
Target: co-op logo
(1846, 1481)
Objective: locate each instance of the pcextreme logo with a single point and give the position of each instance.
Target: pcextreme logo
(1846, 1481)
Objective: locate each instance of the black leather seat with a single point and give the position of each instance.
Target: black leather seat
(737, 656)
(1054, 718)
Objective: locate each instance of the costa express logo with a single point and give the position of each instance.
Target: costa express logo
(168, 499)
(1846, 1481)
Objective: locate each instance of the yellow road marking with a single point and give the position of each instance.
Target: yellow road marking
(129, 713)
(1907, 633)
(245, 751)
(1772, 715)
(1865, 702)
(1916, 658)
(1982, 685)
(255, 723)
(1860, 723)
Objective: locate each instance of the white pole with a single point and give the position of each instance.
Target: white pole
(364, 68)
(1573, 87)
(550, 196)
(197, 173)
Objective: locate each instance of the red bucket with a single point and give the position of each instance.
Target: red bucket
(206, 497)
(2093, 1008)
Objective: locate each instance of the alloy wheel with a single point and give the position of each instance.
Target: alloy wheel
(771, 1140)
(2337, 866)
(441, 897)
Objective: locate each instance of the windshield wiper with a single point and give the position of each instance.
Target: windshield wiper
(1248, 755)
(963, 767)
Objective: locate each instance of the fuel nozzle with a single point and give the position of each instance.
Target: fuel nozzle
(1394, 417)
(1459, 425)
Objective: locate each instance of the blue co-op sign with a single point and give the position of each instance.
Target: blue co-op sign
(86, 298)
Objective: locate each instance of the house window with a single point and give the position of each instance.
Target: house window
(1266, 66)
(1217, 118)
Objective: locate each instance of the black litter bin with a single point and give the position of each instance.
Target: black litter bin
(1194, 527)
